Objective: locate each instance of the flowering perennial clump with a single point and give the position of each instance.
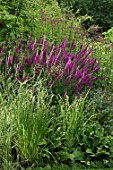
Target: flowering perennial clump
(59, 63)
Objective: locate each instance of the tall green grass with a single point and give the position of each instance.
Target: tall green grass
(34, 130)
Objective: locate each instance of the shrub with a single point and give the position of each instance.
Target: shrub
(99, 10)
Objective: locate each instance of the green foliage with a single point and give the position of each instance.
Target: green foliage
(95, 144)
(35, 132)
(52, 9)
(109, 35)
(41, 129)
(100, 11)
(13, 14)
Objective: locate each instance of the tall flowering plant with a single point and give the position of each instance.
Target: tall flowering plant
(64, 68)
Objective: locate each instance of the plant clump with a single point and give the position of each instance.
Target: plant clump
(58, 64)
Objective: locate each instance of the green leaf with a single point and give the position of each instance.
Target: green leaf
(88, 150)
(65, 156)
(42, 142)
(102, 153)
(78, 155)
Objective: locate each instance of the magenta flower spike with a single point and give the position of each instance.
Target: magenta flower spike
(49, 60)
(16, 50)
(29, 62)
(52, 46)
(9, 61)
(68, 64)
(20, 43)
(58, 77)
(2, 51)
(38, 40)
(17, 78)
(92, 61)
(93, 79)
(78, 74)
(16, 68)
(64, 42)
(33, 46)
(49, 83)
(29, 37)
(82, 63)
(57, 57)
(96, 69)
(24, 78)
(67, 80)
(72, 45)
(85, 49)
(36, 59)
(21, 68)
(65, 95)
(90, 51)
(59, 47)
(41, 57)
(44, 43)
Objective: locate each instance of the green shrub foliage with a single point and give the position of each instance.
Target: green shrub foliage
(16, 18)
(101, 11)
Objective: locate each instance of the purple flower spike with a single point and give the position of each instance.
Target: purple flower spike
(50, 58)
(41, 57)
(86, 76)
(81, 46)
(29, 62)
(38, 40)
(93, 79)
(67, 79)
(49, 83)
(96, 69)
(21, 68)
(36, 59)
(16, 68)
(59, 47)
(92, 61)
(68, 64)
(20, 43)
(58, 77)
(16, 50)
(72, 45)
(65, 95)
(90, 51)
(85, 49)
(33, 46)
(24, 78)
(83, 63)
(9, 61)
(2, 51)
(29, 37)
(44, 43)
(57, 57)
(64, 42)
(78, 74)
(17, 78)
(52, 46)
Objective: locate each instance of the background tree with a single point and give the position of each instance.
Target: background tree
(101, 11)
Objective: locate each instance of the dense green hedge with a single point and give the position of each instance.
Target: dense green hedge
(101, 11)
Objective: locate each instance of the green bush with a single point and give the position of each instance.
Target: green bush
(17, 19)
(101, 11)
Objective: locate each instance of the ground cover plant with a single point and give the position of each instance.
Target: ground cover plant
(56, 98)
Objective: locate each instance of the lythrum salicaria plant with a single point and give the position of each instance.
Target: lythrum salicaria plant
(66, 70)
